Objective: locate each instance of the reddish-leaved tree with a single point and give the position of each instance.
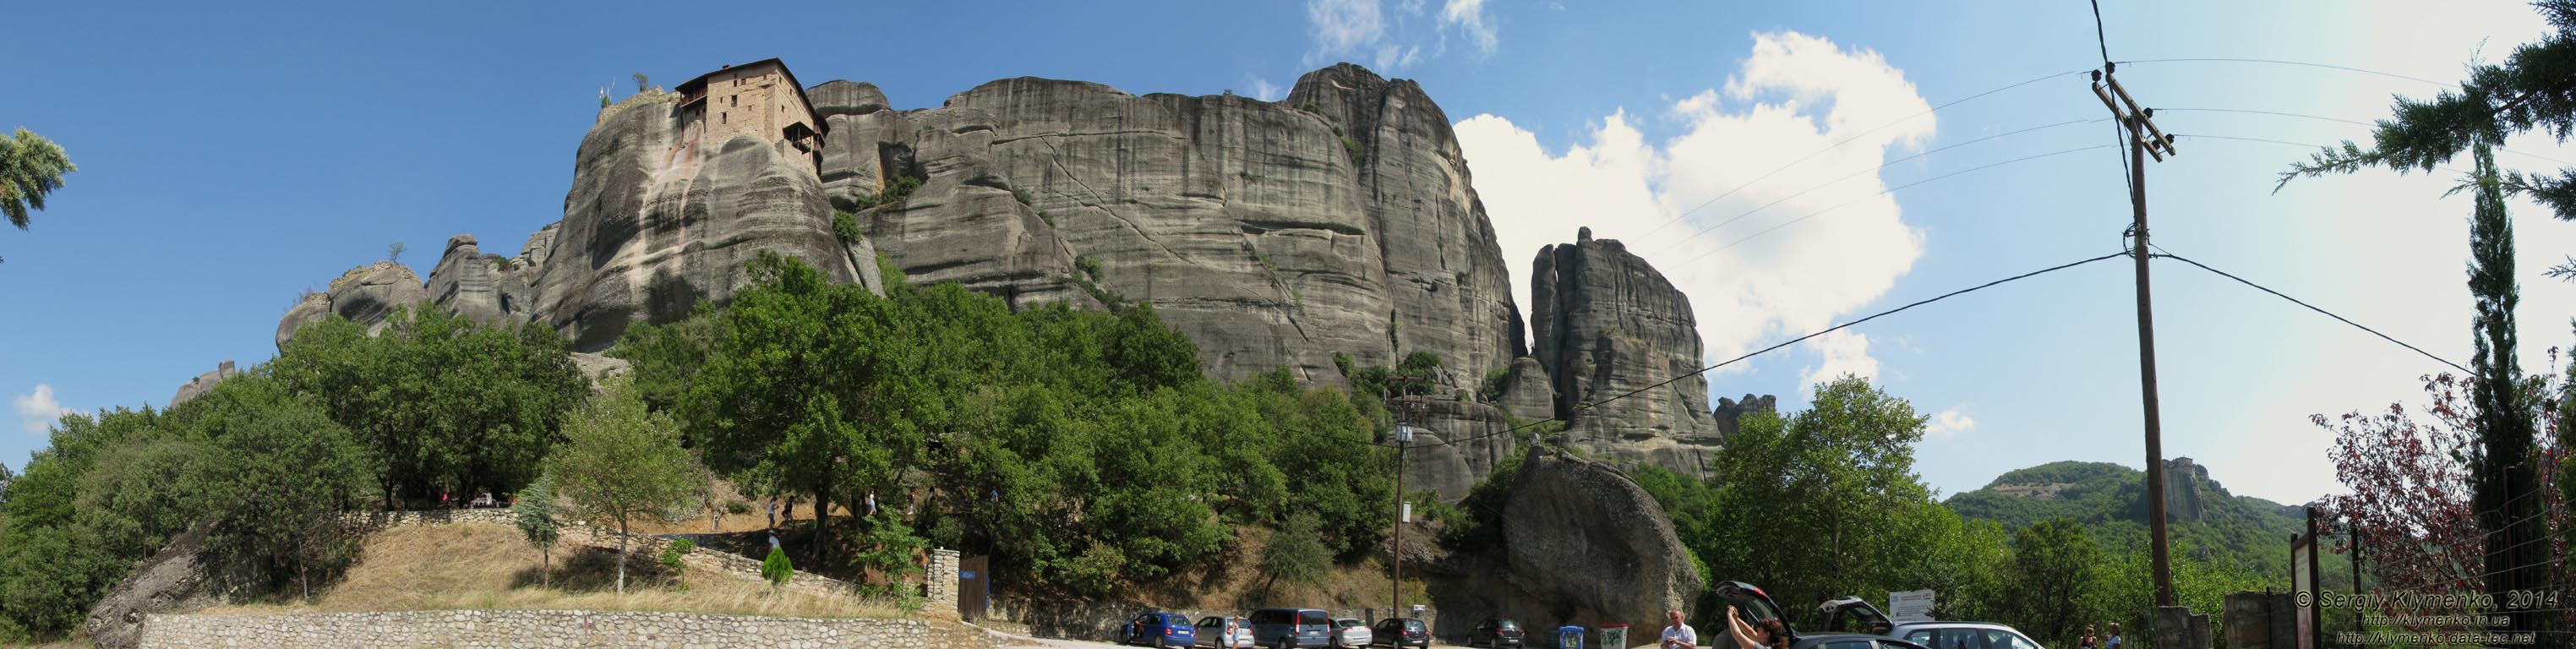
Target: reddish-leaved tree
(2410, 489)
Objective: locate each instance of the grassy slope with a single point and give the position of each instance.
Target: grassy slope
(482, 566)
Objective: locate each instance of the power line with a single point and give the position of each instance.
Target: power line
(1855, 174)
(1838, 144)
(1874, 316)
(1889, 190)
(2525, 154)
(2098, 38)
(2313, 307)
(2345, 68)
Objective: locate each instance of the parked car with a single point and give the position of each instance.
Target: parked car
(1858, 616)
(1212, 632)
(1963, 635)
(1350, 633)
(1159, 630)
(1756, 607)
(1289, 628)
(1496, 632)
(1400, 632)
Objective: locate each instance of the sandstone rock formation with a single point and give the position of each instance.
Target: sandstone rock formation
(490, 288)
(1609, 324)
(658, 220)
(1455, 443)
(1582, 545)
(1272, 236)
(365, 295)
(198, 386)
(1730, 411)
(1528, 394)
(179, 578)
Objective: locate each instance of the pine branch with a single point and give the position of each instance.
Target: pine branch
(2330, 161)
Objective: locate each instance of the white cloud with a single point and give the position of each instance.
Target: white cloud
(1262, 89)
(1469, 17)
(1794, 94)
(1947, 424)
(38, 410)
(1341, 26)
(1366, 30)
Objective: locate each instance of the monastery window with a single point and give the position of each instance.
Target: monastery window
(735, 100)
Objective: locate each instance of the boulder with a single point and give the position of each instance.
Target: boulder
(1608, 324)
(198, 386)
(180, 578)
(1582, 545)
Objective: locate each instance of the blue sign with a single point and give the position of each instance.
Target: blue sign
(965, 574)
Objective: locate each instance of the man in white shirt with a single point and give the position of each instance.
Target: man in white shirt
(1679, 635)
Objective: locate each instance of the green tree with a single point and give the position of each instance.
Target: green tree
(1296, 553)
(891, 551)
(1807, 506)
(30, 167)
(620, 462)
(2055, 577)
(284, 475)
(2528, 91)
(534, 513)
(447, 404)
(809, 386)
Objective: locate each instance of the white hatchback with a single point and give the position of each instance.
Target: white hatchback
(1212, 633)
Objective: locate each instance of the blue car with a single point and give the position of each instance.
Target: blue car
(1159, 630)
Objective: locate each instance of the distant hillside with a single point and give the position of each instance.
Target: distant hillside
(2209, 523)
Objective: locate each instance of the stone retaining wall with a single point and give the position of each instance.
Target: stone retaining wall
(543, 628)
(578, 533)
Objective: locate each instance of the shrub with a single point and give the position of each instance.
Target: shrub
(1023, 195)
(897, 188)
(1310, 107)
(737, 506)
(777, 569)
(1359, 154)
(672, 553)
(846, 226)
(1495, 381)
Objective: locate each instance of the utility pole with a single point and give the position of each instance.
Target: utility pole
(1395, 553)
(2144, 140)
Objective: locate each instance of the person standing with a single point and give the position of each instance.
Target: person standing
(2114, 641)
(1680, 635)
(2087, 642)
(773, 512)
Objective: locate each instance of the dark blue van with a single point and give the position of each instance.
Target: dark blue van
(1291, 628)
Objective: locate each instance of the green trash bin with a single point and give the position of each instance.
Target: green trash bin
(1614, 636)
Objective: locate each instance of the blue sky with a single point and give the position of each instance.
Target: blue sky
(233, 156)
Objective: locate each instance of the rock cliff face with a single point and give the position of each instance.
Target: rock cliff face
(364, 295)
(197, 387)
(656, 221)
(1608, 324)
(659, 220)
(1455, 443)
(1272, 236)
(1731, 411)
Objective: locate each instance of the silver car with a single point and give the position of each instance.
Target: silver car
(1351, 633)
(1958, 635)
(1212, 633)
